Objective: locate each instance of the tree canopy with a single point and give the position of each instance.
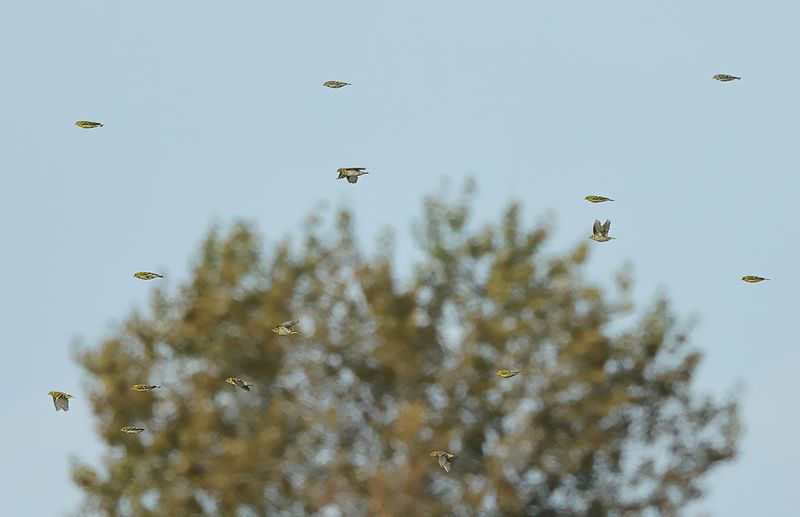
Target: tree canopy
(395, 362)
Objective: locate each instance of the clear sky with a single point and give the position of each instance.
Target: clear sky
(215, 111)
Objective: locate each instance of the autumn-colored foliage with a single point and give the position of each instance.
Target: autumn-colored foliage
(392, 363)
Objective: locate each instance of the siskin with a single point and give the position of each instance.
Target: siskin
(146, 275)
(144, 387)
(506, 373)
(597, 199)
(725, 77)
(61, 400)
(88, 124)
(335, 84)
(600, 233)
(236, 381)
(132, 429)
(445, 459)
(351, 173)
(286, 328)
(753, 279)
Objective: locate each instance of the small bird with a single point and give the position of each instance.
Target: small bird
(506, 373)
(597, 199)
(144, 387)
(61, 400)
(88, 124)
(600, 233)
(286, 328)
(132, 429)
(146, 275)
(445, 459)
(351, 173)
(236, 381)
(753, 279)
(725, 77)
(335, 84)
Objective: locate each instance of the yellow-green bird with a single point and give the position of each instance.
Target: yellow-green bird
(445, 459)
(286, 328)
(597, 199)
(351, 173)
(335, 84)
(600, 233)
(60, 400)
(725, 77)
(507, 373)
(144, 387)
(146, 275)
(753, 279)
(88, 124)
(236, 381)
(132, 429)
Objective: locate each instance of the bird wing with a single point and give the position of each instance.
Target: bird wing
(352, 179)
(63, 403)
(596, 228)
(290, 323)
(55, 402)
(444, 461)
(358, 169)
(606, 227)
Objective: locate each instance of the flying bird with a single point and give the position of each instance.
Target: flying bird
(146, 275)
(335, 84)
(286, 328)
(144, 387)
(600, 233)
(725, 77)
(132, 429)
(506, 373)
(236, 381)
(351, 173)
(88, 124)
(753, 279)
(597, 199)
(61, 400)
(445, 459)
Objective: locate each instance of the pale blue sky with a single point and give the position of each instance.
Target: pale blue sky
(215, 111)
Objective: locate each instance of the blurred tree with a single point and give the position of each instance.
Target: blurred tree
(602, 421)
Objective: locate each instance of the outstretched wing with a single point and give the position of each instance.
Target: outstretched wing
(596, 228)
(289, 324)
(606, 227)
(62, 403)
(352, 179)
(444, 461)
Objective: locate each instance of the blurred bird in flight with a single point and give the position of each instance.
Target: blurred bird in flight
(351, 173)
(286, 328)
(600, 233)
(61, 400)
(597, 199)
(144, 387)
(236, 381)
(146, 275)
(445, 459)
(132, 429)
(753, 279)
(335, 84)
(88, 124)
(506, 373)
(725, 77)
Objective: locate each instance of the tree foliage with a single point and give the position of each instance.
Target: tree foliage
(391, 365)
